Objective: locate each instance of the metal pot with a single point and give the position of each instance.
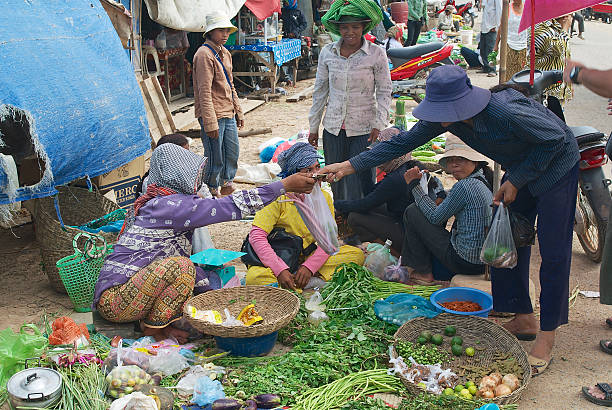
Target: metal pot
(35, 387)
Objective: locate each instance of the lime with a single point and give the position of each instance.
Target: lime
(448, 391)
(457, 350)
(437, 340)
(421, 340)
(470, 351)
(459, 387)
(422, 385)
(426, 334)
(450, 331)
(457, 341)
(473, 390)
(465, 393)
(470, 383)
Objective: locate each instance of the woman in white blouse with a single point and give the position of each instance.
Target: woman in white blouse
(354, 83)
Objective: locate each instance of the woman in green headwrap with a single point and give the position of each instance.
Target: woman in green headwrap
(354, 83)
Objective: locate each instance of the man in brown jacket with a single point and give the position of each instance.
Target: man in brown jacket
(216, 105)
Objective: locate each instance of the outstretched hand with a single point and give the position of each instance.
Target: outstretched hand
(412, 174)
(299, 182)
(335, 172)
(569, 65)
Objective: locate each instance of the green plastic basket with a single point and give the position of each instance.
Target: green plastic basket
(79, 272)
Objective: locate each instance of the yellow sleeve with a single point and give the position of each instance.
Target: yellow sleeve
(268, 217)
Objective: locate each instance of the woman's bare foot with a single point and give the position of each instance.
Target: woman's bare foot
(162, 333)
(423, 277)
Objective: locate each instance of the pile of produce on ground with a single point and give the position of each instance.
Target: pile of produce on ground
(334, 354)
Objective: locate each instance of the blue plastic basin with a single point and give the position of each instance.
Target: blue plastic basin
(464, 294)
(247, 346)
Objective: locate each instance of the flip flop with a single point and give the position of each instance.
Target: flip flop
(604, 387)
(538, 366)
(526, 337)
(606, 346)
(609, 321)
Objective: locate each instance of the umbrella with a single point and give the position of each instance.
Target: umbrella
(546, 10)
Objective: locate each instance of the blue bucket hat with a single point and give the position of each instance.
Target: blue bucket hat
(450, 96)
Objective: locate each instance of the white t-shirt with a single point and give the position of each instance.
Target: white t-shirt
(516, 41)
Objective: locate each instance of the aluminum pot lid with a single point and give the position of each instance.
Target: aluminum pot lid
(35, 380)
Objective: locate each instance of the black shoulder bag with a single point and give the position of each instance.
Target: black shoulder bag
(287, 246)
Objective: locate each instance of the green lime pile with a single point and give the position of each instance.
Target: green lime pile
(421, 353)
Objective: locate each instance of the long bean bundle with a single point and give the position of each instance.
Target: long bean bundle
(354, 386)
(83, 387)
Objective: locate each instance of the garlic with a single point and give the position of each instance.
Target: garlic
(511, 381)
(502, 390)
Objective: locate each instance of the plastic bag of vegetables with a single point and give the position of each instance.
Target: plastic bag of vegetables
(317, 217)
(123, 379)
(498, 249)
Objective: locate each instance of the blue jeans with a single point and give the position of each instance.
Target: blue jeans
(222, 153)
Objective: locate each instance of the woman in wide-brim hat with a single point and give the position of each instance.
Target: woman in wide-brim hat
(429, 249)
(540, 155)
(216, 103)
(353, 87)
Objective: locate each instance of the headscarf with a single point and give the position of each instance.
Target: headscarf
(300, 155)
(358, 9)
(386, 135)
(174, 170)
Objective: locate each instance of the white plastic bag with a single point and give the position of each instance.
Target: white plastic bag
(201, 240)
(423, 182)
(186, 385)
(498, 249)
(134, 401)
(317, 217)
(168, 362)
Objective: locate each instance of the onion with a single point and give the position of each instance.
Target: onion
(511, 381)
(502, 390)
(486, 393)
(487, 383)
(497, 377)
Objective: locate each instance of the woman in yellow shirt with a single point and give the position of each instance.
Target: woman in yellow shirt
(283, 213)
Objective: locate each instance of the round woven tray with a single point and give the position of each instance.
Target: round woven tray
(492, 339)
(77, 207)
(276, 306)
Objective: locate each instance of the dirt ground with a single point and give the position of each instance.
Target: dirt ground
(26, 295)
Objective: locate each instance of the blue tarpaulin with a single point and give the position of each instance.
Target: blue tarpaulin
(63, 66)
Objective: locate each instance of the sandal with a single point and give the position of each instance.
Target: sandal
(606, 346)
(607, 391)
(538, 366)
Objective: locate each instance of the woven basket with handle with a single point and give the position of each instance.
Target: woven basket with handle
(486, 336)
(276, 306)
(77, 207)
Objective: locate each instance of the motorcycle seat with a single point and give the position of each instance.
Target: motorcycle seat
(586, 134)
(408, 53)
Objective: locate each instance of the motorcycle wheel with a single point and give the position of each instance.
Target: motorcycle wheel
(593, 237)
(468, 19)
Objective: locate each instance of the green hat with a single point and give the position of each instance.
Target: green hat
(352, 11)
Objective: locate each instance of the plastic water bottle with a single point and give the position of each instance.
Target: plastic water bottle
(377, 261)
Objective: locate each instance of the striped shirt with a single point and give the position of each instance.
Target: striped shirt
(534, 146)
(551, 51)
(469, 202)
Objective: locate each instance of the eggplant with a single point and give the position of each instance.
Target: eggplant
(249, 405)
(226, 404)
(267, 401)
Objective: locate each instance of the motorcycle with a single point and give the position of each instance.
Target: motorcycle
(466, 11)
(593, 196)
(416, 61)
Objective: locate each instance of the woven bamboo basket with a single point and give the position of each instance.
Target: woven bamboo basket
(77, 207)
(491, 337)
(276, 306)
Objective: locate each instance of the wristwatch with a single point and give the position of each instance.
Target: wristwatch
(574, 74)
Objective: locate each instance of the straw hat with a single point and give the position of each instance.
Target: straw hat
(218, 20)
(456, 148)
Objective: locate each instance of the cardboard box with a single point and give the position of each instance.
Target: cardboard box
(123, 181)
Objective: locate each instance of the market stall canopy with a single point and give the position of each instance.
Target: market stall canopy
(190, 15)
(263, 8)
(68, 95)
(549, 9)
